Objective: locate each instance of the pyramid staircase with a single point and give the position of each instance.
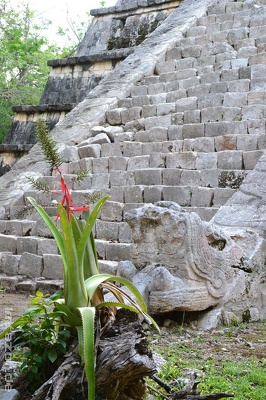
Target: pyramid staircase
(190, 133)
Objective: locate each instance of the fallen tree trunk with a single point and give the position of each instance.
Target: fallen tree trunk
(123, 361)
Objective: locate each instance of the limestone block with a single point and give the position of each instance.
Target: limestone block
(191, 51)
(210, 100)
(112, 149)
(230, 159)
(250, 158)
(258, 85)
(27, 286)
(186, 160)
(185, 104)
(131, 149)
(117, 193)
(210, 78)
(138, 162)
(257, 71)
(52, 266)
(157, 160)
(108, 267)
(181, 194)
(168, 77)
(139, 90)
(137, 101)
(49, 286)
(112, 211)
(234, 35)
(19, 227)
(125, 103)
(165, 66)
(100, 138)
(221, 195)
(148, 176)
(199, 90)
(93, 150)
(202, 197)
(165, 108)
(70, 153)
(134, 194)
(2, 226)
(164, 120)
(156, 88)
(175, 131)
(151, 148)
(252, 112)
(229, 75)
(262, 142)
(210, 177)
(100, 181)
(9, 283)
(107, 230)
(122, 178)
(189, 82)
(171, 177)
(9, 243)
(226, 142)
(47, 246)
(236, 99)
(158, 134)
(152, 194)
(184, 63)
(113, 117)
(174, 53)
(158, 98)
(206, 161)
(205, 144)
(175, 95)
(100, 165)
(239, 63)
(124, 234)
(256, 98)
(247, 142)
(193, 130)
(192, 117)
(118, 251)
(220, 87)
(118, 163)
(27, 244)
(9, 263)
(190, 178)
(131, 114)
(31, 265)
(149, 111)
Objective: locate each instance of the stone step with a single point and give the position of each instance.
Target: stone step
(17, 227)
(112, 250)
(185, 196)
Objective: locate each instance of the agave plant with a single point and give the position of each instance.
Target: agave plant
(82, 306)
(84, 284)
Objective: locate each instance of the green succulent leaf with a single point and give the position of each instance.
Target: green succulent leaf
(87, 347)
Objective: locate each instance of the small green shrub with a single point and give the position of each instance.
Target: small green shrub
(41, 338)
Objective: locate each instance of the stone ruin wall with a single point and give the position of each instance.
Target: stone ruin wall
(181, 119)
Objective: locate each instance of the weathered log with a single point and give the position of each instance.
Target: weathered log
(123, 361)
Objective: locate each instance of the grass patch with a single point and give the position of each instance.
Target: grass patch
(230, 360)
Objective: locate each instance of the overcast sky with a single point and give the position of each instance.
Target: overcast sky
(56, 11)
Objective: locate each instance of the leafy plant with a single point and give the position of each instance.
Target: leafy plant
(41, 338)
(83, 305)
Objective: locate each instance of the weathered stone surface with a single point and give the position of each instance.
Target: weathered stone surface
(190, 265)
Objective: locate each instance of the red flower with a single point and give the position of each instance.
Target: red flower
(67, 200)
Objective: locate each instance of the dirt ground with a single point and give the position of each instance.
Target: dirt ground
(12, 305)
(250, 339)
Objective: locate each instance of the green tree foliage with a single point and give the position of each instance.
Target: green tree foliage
(24, 52)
